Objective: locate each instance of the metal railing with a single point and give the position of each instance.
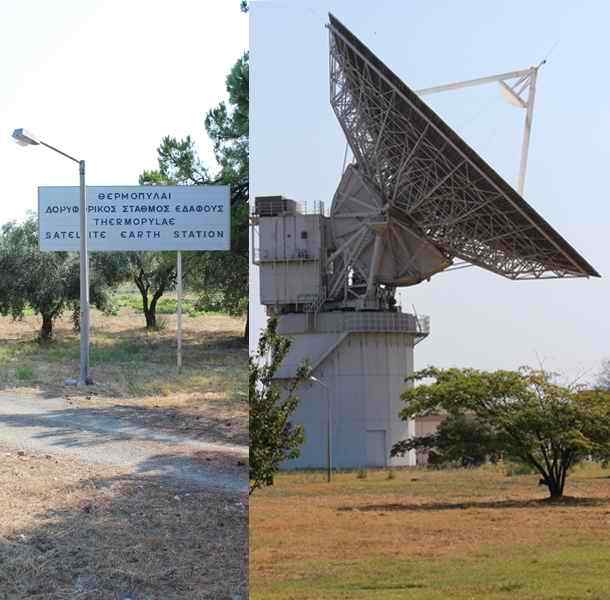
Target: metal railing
(374, 322)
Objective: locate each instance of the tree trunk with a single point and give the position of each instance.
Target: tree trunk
(151, 317)
(556, 480)
(76, 317)
(555, 485)
(247, 327)
(555, 491)
(46, 331)
(149, 308)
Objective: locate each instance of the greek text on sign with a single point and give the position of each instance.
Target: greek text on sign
(136, 218)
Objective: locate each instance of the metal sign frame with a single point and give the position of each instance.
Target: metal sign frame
(201, 214)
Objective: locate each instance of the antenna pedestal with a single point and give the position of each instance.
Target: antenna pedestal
(361, 359)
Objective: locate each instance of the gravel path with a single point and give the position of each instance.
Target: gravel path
(100, 437)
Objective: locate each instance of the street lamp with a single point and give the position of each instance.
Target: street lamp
(329, 464)
(25, 138)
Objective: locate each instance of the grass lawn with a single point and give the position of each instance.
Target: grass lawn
(69, 530)
(135, 370)
(431, 535)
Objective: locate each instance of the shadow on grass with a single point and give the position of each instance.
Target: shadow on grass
(128, 537)
(203, 469)
(566, 501)
(209, 427)
(128, 346)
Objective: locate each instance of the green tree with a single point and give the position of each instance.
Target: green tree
(522, 415)
(179, 164)
(603, 377)
(47, 282)
(460, 440)
(273, 439)
(154, 273)
(228, 128)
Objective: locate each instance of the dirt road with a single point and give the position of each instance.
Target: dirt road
(115, 437)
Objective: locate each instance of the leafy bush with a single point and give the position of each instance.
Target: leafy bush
(24, 373)
(273, 438)
(513, 469)
(362, 474)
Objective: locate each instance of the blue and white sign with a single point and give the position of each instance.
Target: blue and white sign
(136, 218)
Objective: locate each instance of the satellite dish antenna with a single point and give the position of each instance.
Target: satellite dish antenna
(415, 199)
(426, 177)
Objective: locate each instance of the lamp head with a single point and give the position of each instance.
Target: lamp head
(25, 138)
(316, 380)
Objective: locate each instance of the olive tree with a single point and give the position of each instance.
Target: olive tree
(154, 273)
(47, 282)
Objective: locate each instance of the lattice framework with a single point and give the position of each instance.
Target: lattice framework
(442, 189)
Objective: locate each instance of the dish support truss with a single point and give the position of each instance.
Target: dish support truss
(443, 191)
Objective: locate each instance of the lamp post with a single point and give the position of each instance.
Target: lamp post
(329, 464)
(25, 138)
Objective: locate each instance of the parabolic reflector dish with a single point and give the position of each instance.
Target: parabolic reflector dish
(429, 197)
(377, 238)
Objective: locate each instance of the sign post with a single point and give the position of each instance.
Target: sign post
(85, 309)
(133, 218)
(179, 311)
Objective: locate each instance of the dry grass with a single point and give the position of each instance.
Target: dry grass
(135, 369)
(71, 531)
(430, 535)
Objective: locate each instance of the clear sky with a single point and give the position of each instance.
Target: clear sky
(105, 80)
(478, 319)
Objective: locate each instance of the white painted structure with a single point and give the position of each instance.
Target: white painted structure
(521, 92)
(361, 360)
(290, 258)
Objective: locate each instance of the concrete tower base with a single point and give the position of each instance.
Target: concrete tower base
(361, 360)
